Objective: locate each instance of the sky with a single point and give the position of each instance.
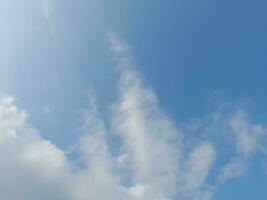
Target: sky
(133, 100)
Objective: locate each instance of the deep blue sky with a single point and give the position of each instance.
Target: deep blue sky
(191, 49)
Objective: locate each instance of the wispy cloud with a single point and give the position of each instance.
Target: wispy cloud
(152, 140)
(49, 11)
(248, 141)
(160, 161)
(48, 8)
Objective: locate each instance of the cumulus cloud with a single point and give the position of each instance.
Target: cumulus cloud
(30, 166)
(34, 168)
(159, 162)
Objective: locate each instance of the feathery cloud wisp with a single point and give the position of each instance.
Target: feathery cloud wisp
(247, 136)
(48, 8)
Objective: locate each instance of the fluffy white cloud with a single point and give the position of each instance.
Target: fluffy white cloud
(159, 163)
(30, 166)
(33, 168)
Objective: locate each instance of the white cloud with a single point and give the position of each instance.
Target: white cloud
(247, 136)
(33, 168)
(199, 163)
(154, 144)
(237, 139)
(142, 127)
(159, 162)
(29, 165)
(237, 167)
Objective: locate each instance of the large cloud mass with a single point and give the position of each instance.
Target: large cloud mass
(158, 162)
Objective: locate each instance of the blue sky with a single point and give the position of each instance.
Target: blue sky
(101, 80)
